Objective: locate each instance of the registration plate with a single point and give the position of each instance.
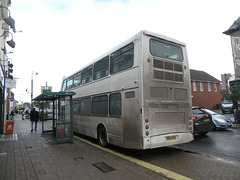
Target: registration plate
(206, 119)
(170, 138)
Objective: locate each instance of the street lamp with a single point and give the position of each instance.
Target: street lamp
(32, 87)
(11, 43)
(9, 20)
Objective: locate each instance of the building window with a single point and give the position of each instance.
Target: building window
(209, 87)
(194, 86)
(201, 86)
(215, 87)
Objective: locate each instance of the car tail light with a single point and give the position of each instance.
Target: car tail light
(195, 117)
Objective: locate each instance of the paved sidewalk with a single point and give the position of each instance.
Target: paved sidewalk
(35, 156)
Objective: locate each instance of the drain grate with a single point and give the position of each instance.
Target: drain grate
(8, 137)
(78, 158)
(103, 167)
(28, 147)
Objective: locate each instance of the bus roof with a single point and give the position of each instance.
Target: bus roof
(136, 36)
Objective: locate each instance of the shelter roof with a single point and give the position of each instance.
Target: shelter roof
(47, 95)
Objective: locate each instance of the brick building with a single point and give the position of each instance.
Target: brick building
(205, 89)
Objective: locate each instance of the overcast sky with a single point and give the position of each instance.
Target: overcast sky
(61, 36)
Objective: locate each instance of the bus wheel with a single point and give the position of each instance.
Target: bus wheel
(102, 136)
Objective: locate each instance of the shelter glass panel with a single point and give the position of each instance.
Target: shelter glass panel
(64, 110)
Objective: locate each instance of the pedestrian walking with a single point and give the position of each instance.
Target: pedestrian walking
(34, 118)
(12, 116)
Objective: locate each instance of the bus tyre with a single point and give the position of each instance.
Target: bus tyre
(102, 136)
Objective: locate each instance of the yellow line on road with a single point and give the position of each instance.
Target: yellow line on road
(149, 166)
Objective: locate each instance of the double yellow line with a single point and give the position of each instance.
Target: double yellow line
(149, 166)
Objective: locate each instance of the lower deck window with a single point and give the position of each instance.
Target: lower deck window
(100, 106)
(85, 106)
(115, 105)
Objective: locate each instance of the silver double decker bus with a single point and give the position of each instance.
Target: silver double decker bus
(136, 95)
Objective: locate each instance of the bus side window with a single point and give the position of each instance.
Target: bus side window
(75, 106)
(85, 106)
(101, 68)
(64, 86)
(70, 83)
(122, 59)
(77, 79)
(115, 105)
(100, 105)
(87, 74)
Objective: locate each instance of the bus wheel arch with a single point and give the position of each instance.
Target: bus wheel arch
(102, 135)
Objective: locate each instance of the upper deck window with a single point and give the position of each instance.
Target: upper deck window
(87, 74)
(122, 59)
(64, 86)
(101, 68)
(77, 79)
(70, 83)
(166, 50)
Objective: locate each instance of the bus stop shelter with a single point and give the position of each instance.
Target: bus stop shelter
(61, 117)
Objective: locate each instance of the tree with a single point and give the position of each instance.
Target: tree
(234, 94)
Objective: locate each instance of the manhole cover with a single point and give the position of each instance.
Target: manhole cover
(103, 167)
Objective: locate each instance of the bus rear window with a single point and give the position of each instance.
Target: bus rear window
(166, 50)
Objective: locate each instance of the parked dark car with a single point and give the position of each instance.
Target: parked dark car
(220, 121)
(202, 121)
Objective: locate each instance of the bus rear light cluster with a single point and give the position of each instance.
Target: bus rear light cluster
(147, 126)
(148, 59)
(190, 125)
